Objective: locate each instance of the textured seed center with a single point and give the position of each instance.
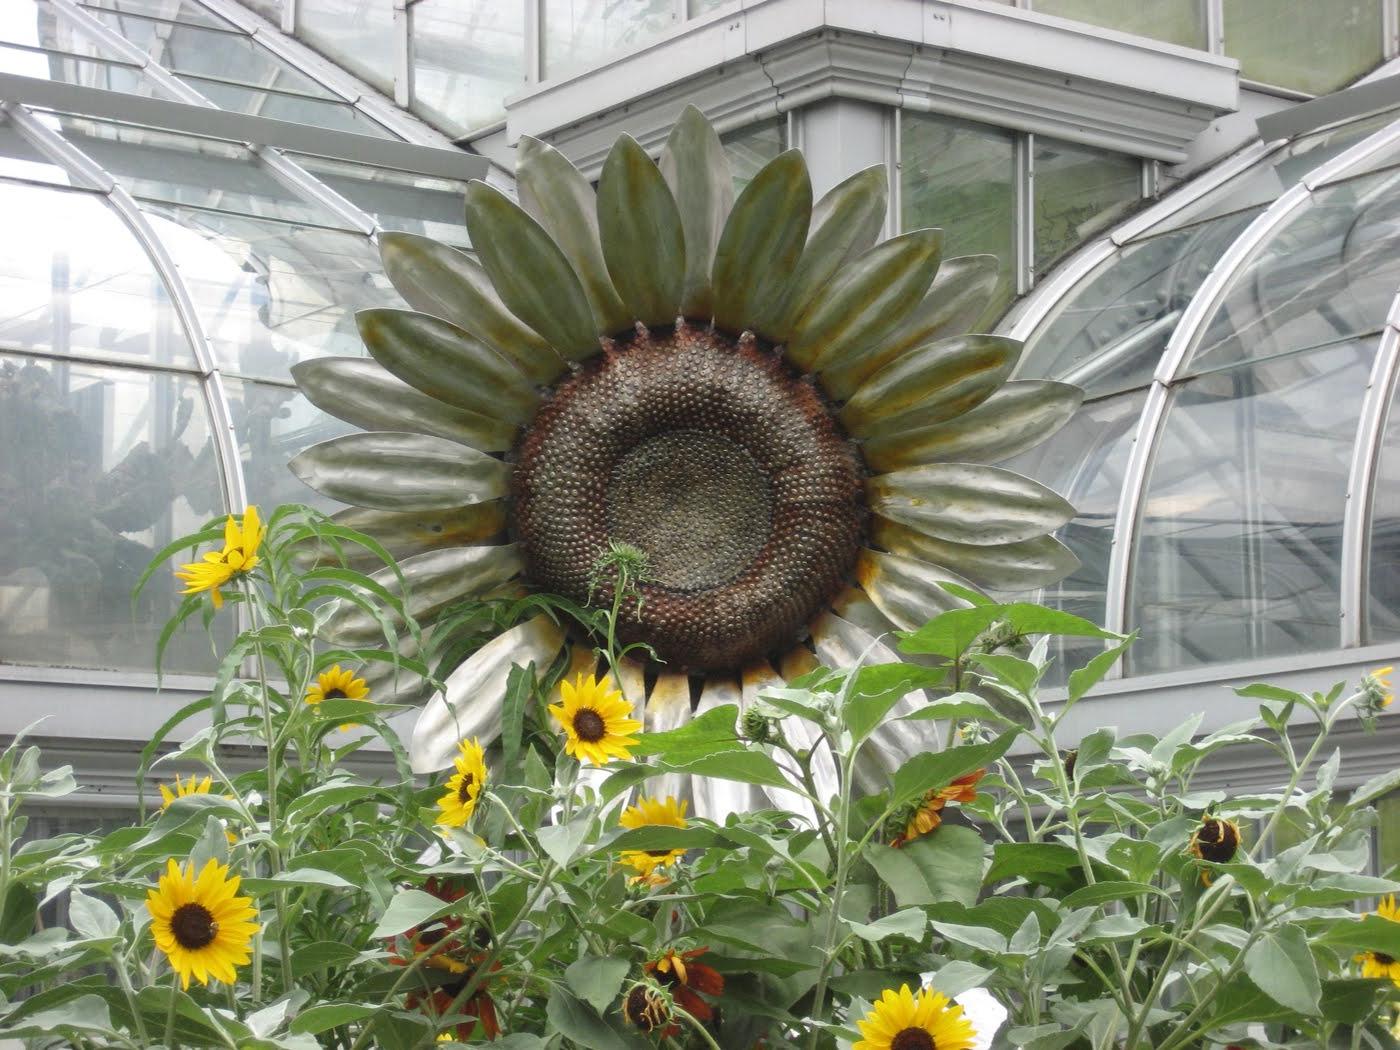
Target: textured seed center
(695, 503)
(464, 790)
(193, 926)
(1385, 960)
(588, 724)
(912, 1039)
(335, 694)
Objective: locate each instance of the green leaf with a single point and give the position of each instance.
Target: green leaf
(520, 687)
(321, 955)
(1104, 892)
(407, 909)
(1264, 691)
(946, 865)
(86, 1013)
(324, 796)
(562, 841)
(91, 917)
(1021, 675)
(1281, 964)
(1379, 785)
(305, 877)
(957, 707)
(597, 981)
(979, 937)
(1082, 679)
(745, 766)
(324, 1016)
(949, 634)
(17, 917)
(578, 1021)
(1370, 934)
(877, 688)
(1351, 1000)
(711, 731)
(659, 837)
(910, 922)
(923, 773)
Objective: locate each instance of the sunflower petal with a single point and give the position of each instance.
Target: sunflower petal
(447, 363)
(365, 394)
(470, 705)
(855, 607)
(668, 707)
(955, 301)
(695, 167)
(968, 503)
(390, 471)
(554, 192)
(866, 300)
(405, 533)
(715, 799)
(761, 244)
(1019, 416)
(931, 383)
(531, 274)
(1022, 566)
(845, 224)
(909, 592)
(642, 239)
(435, 580)
(437, 279)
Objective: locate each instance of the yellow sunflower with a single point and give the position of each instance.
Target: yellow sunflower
(192, 786)
(903, 1021)
(1377, 685)
(203, 929)
(652, 812)
(239, 556)
(337, 684)
(464, 786)
(1378, 964)
(597, 722)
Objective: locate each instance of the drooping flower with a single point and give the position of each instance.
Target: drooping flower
(646, 1008)
(238, 557)
(651, 812)
(464, 787)
(904, 1021)
(683, 977)
(337, 684)
(1379, 964)
(597, 722)
(203, 928)
(1376, 689)
(928, 814)
(184, 788)
(1216, 841)
(789, 421)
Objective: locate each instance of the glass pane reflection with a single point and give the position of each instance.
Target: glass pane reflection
(1079, 190)
(1240, 537)
(357, 34)
(581, 33)
(107, 466)
(1310, 47)
(750, 148)
(273, 424)
(1383, 600)
(1175, 21)
(398, 200)
(468, 56)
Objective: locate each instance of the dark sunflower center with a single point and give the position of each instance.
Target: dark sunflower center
(1217, 842)
(727, 471)
(1383, 959)
(644, 1009)
(589, 725)
(193, 926)
(658, 853)
(335, 694)
(464, 790)
(912, 1039)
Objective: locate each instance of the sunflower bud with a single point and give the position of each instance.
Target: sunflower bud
(756, 726)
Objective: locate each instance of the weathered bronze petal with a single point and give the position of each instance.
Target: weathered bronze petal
(406, 533)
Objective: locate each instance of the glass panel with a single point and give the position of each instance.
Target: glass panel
(273, 424)
(113, 464)
(87, 72)
(1240, 538)
(1175, 21)
(581, 33)
(1110, 331)
(19, 159)
(703, 7)
(468, 56)
(73, 280)
(170, 10)
(751, 147)
(1330, 272)
(1383, 605)
(1078, 191)
(356, 34)
(35, 23)
(1084, 462)
(1308, 46)
(271, 294)
(398, 200)
(301, 109)
(960, 177)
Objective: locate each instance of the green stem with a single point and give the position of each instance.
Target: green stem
(694, 1023)
(124, 979)
(837, 892)
(170, 1040)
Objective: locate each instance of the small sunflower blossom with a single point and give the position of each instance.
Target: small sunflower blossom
(1216, 841)
(1379, 964)
(683, 977)
(204, 930)
(337, 684)
(903, 1020)
(184, 788)
(464, 787)
(1376, 692)
(648, 813)
(927, 815)
(597, 721)
(218, 568)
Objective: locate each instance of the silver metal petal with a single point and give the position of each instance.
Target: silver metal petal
(631, 680)
(362, 392)
(863, 303)
(845, 223)
(931, 383)
(714, 798)
(761, 245)
(956, 299)
(404, 534)
(554, 192)
(435, 580)
(392, 684)
(854, 606)
(695, 167)
(392, 471)
(447, 363)
(440, 280)
(1022, 566)
(668, 707)
(533, 277)
(470, 706)
(641, 230)
(909, 592)
(968, 503)
(755, 679)
(1020, 415)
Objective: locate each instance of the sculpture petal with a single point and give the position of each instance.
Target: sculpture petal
(906, 590)
(406, 533)
(968, 503)
(1022, 566)
(695, 167)
(643, 243)
(392, 471)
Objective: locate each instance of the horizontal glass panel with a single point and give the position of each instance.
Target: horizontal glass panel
(35, 23)
(104, 467)
(87, 72)
(1175, 21)
(960, 177)
(73, 280)
(170, 10)
(1307, 46)
(750, 148)
(398, 200)
(1109, 332)
(703, 7)
(356, 34)
(1079, 191)
(1383, 600)
(269, 294)
(1239, 544)
(1329, 272)
(272, 424)
(277, 105)
(468, 56)
(20, 159)
(581, 33)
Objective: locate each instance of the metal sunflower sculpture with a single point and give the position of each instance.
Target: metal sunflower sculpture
(787, 418)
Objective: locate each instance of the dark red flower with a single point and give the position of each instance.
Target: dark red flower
(679, 973)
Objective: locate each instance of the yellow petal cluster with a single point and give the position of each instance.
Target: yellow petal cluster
(597, 721)
(217, 568)
(902, 1021)
(464, 787)
(653, 812)
(203, 928)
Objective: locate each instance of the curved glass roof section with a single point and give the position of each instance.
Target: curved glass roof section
(1236, 459)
